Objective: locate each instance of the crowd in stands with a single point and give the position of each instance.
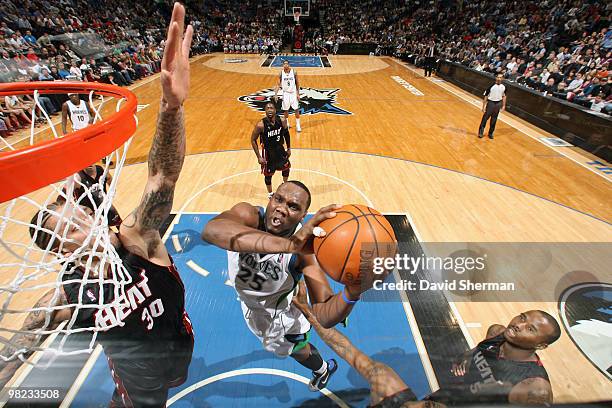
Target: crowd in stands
(561, 48)
(110, 41)
(370, 21)
(248, 26)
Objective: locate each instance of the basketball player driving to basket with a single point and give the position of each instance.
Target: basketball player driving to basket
(268, 254)
(503, 368)
(148, 341)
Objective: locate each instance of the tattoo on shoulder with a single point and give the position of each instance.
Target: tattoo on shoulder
(539, 397)
(537, 394)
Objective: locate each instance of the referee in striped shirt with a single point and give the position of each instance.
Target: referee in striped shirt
(494, 101)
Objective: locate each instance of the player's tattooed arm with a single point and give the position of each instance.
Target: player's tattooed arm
(334, 339)
(382, 379)
(22, 342)
(140, 228)
(165, 162)
(167, 153)
(531, 391)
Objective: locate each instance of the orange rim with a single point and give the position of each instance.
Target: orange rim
(30, 168)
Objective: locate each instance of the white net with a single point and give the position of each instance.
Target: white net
(58, 236)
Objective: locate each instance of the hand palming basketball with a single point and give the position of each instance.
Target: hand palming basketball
(301, 241)
(175, 62)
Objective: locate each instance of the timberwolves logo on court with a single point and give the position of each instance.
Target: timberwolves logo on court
(586, 310)
(312, 101)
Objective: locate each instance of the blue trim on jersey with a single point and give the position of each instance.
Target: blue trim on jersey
(262, 216)
(293, 270)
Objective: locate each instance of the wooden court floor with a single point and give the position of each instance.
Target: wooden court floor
(400, 153)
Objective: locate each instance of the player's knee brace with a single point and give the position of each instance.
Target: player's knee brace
(285, 173)
(268, 180)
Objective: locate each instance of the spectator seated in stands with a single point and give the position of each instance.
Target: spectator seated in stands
(584, 96)
(18, 117)
(31, 55)
(45, 75)
(576, 83)
(63, 72)
(44, 40)
(598, 103)
(54, 73)
(561, 91)
(30, 39)
(513, 75)
(120, 73)
(75, 72)
(550, 87)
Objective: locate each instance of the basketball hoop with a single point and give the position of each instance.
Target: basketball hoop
(297, 12)
(20, 170)
(37, 175)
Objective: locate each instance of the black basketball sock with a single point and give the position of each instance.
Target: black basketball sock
(314, 361)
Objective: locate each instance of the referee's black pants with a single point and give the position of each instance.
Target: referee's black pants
(491, 111)
(429, 63)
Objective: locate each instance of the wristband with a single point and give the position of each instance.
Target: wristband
(347, 300)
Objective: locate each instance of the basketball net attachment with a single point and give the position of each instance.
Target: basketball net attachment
(43, 200)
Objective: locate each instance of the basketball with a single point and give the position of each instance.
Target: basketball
(354, 238)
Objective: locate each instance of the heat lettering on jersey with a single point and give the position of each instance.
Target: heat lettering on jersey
(133, 297)
(275, 132)
(485, 372)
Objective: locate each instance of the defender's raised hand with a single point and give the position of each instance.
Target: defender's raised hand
(175, 63)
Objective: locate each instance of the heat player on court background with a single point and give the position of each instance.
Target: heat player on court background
(272, 132)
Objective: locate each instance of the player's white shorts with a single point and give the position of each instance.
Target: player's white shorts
(290, 100)
(271, 330)
(79, 126)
